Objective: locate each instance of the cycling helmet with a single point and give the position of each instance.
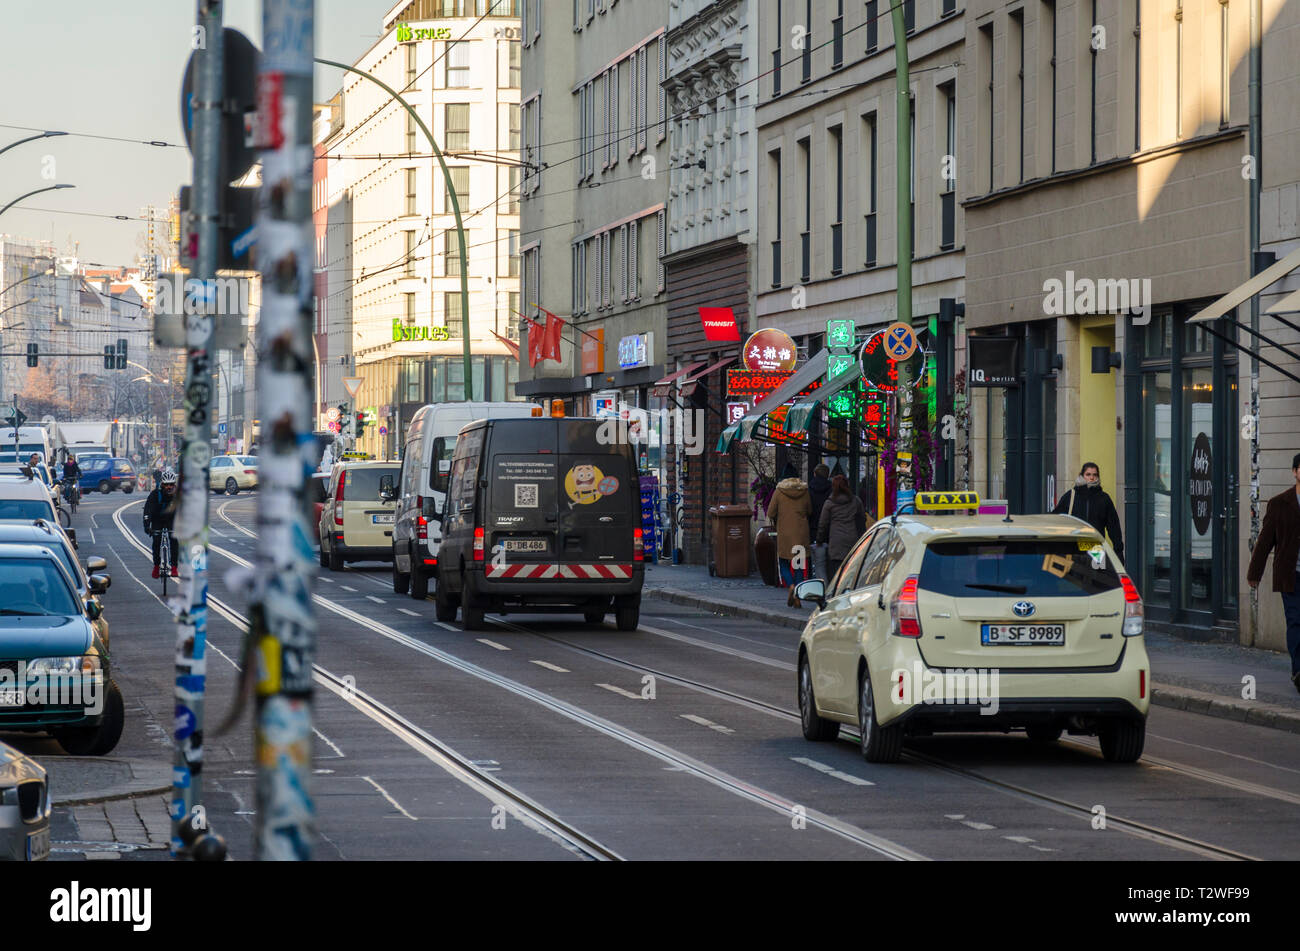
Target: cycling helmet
(168, 477)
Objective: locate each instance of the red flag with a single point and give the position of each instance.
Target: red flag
(536, 337)
(510, 344)
(551, 346)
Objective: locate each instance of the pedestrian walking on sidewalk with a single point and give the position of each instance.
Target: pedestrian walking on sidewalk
(789, 511)
(1088, 502)
(1281, 532)
(819, 490)
(841, 524)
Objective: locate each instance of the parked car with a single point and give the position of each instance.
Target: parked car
(42, 472)
(91, 581)
(59, 666)
(96, 474)
(25, 808)
(356, 524)
(25, 500)
(229, 474)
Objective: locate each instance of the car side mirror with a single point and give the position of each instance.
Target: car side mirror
(93, 610)
(386, 490)
(96, 564)
(812, 590)
(99, 583)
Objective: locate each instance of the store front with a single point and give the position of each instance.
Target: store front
(1181, 470)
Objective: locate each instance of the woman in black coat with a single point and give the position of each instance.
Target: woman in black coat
(1088, 502)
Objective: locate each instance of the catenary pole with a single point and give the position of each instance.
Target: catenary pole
(455, 209)
(191, 599)
(282, 626)
(903, 393)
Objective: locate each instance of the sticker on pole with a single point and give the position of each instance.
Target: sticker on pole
(900, 341)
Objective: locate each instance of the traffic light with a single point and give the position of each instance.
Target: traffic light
(31, 354)
(121, 353)
(360, 425)
(110, 360)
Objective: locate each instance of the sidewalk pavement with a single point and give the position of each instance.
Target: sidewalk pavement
(108, 806)
(1200, 677)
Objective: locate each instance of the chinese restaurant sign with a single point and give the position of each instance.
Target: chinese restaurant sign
(769, 350)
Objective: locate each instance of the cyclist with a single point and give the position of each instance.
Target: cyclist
(71, 477)
(159, 516)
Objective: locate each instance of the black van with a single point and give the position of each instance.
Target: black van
(541, 516)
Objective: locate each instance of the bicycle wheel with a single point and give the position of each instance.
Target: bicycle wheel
(64, 518)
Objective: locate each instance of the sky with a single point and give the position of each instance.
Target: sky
(114, 69)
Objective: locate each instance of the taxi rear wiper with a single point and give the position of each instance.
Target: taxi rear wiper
(1007, 588)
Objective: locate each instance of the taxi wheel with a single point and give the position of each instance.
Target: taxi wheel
(815, 728)
(232, 487)
(880, 744)
(1043, 733)
(324, 559)
(444, 607)
(1122, 740)
(100, 740)
(336, 561)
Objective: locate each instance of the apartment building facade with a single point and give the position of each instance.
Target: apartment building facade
(1108, 199)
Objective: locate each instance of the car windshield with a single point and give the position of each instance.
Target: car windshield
(1040, 568)
(25, 509)
(34, 586)
(363, 484)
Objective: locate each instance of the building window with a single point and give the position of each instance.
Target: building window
(776, 53)
(775, 164)
(837, 211)
(457, 60)
(837, 36)
(509, 74)
(1137, 75)
(512, 253)
(622, 264)
(452, 314)
(1225, 64)
(663, 91)
(510, 123)
(460, 182)
(606, 271)
(948, 188)
(579, 277)
(805, 75)
(986, 93)
(1018, 40)
(411, 50)
(412, 144)
(869, 134)
(643, 63)
(1178, 72)
(634, 261)
(532, 143)
(512, 190)
(1049, 16)
(873, 25)
(410, 308)
(805, 236)
(456, 115)
(1092, 101)
(661, 231)
(512, 318)
(450, 253)
(409, 262)
(410, 191)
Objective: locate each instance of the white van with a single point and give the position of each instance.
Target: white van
(422, 486)
(30, 439)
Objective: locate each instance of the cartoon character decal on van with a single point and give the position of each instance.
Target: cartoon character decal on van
(585, 483)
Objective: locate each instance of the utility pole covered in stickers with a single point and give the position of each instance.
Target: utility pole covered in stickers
(283, 629)
(903, 394)
(191, 601)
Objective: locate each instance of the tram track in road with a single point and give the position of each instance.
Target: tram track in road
(519, 805)
(1059, 804)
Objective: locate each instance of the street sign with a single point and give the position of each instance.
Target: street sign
(221, 429)
(383, 430)
(900, 341)
(332, 414)
(353, 385)
(17, 419)
(240, 65)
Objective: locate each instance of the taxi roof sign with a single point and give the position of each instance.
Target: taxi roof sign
(946, 501)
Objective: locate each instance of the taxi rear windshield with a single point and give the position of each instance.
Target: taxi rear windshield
(1036, 568)
(363, 484)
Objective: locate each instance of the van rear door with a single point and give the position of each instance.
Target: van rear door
(599, 501)
(522, 517)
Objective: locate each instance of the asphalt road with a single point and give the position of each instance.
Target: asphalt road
(546, 738)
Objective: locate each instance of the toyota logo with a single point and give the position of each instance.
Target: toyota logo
(1023, 608)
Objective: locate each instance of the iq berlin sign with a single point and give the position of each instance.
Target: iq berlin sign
(403, 332)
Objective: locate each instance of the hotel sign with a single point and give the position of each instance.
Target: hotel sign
(407, 34)
(403, 333)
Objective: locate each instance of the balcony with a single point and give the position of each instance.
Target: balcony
(837, 248)
(776, 263)
(805, 257)
(871, 240)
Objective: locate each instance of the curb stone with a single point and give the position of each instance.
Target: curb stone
(1255, 713)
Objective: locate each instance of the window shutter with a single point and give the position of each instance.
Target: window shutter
(663, 93)
(632, 104)
(643, 56)
(625, 284)
(634, 286)
(661, 221)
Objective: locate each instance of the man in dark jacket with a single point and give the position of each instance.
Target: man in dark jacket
(1281, 531)
(1088, 502)
(159, 516)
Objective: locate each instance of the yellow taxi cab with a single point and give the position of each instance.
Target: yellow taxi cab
(356, 522)
(952, 622)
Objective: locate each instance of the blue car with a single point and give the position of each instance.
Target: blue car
(103, 474)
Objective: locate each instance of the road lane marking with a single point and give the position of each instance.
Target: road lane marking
(484, 640)
(346, 588)
(734, 652)
(832, 771)
(981, 826)
(619, 690)
(709, 723)
(376, 600)
(328, 742)
(384, 792)
(450, 627)
(542, 663)
(1022, 839)
(327, 580)
(410, 612)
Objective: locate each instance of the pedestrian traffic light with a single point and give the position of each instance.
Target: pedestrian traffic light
(360, 426)
(31, 354)
(121, 353)
(110, 360)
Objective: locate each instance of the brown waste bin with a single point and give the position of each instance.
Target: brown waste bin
(730, 540)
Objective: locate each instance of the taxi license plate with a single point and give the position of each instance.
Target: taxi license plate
(526, 544)
(1021, 635)
(38, 846)
(381, 520)
(13, 698)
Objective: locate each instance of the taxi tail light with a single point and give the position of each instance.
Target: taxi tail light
(1133, 614)
(421, 523)
(478, 543)
(906, 616)
(338, 500)
(638, 545)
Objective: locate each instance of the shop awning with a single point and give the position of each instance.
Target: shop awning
(662, 386)
(799, 381)
(692, 381)
(796, 421)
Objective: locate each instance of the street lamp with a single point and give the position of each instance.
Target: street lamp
(30, 138)
(48, 188)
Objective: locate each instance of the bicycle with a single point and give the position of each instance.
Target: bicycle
(72, 492)
(164, 556)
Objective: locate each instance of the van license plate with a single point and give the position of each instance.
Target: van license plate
(381, 520)
(526, 544)
(1019, 635)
